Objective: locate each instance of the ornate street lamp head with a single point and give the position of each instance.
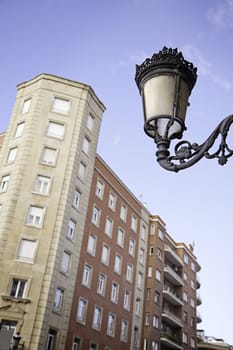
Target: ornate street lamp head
(165, 82)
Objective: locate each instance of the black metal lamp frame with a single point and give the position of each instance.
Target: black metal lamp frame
(186, 153)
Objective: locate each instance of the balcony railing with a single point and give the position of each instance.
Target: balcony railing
(199, 301)
(198, 282)
(171, 341)
(172, 276)
(172, 256)
(199, 319)
(171, 318)
(171, 296)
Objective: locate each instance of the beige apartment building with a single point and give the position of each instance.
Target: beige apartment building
(84, 265)
(46, 167)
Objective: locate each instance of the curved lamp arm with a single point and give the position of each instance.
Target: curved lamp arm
(187, 154)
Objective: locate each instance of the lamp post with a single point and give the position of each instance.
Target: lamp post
(165, 82)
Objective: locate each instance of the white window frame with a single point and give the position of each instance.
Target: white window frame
(132, 245)
(19, 130)
(12, 155)
(65, 262)
(126, 302)
(158, 275)
(115, 292)
(123, 213)
(71, 229)
(55, 130)
(108, 227)
(58, 299)
(111, 324)
(82, 171)
(101, 284)
(117, 264)
(160, 234)
(42, 184)
(82, 310)
(99, 189)
(4, 183)
(87, 275)
(91, 244)
(20, 290)
(105, 254)
(49, 156)
(134, 223)
(140, 280)
(35, 216)
(120, 237)
(86, 145)
(27, 250)
(97, 318)
(76, 199)
(26, 105)
(90, 122)
(96, 216)
(61, 105)
(112, 201)
(155, 321)
(124, 330)
(129, 273)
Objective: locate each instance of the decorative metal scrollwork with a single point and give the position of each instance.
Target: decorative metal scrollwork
(188, 154)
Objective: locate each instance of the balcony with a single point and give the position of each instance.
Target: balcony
(171, 318)
(171, 342)
(199, 319)
(170, 295)
(172, 276)
(198, 282)
(199, 301)
(172, 256)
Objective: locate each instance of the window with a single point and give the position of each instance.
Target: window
(157, 297)
(129, 273)
(160, 234)
(76, 345)
(51, 340)
(42, 184)
(101, 284)
(117, 264)
(12, 155)
(184, 338)
(60, 106)
(134, 223)
(49, 156)
(82, 171)
(97, 318)
(143, 232)
(192, 284)
(105, 254)
(93, 346)
(108, 227)
(71, 229)
(159, 254)
(193, 323)
(56, 130)
(141, 256)
(58, 300)
(26, 106)
(185, 277)
(137, 306)
(19, 129)
(149, 271)
(140, 280)
(18, 287)
(158, 275)
(90, 122)
(111, 324)
(154, 345)
(27, 249)
(120, 237)
(136, 336)
(123, 213)
(91, 245)
(147, 319)
(124, 330)
(86, 145)
(0, 207)
(148, 293)
(192, 343)
(155, 321)
(35, 216)
(65, 263)
(82, 310)
(152, 229)
(112, 201)
(76, 200)
(186, 259)
(99, 189)
(126, 303)
(185, 317)
(192, 266)
(114, 292)
(185, 297)
(192, 303)
(131, 247)
(4, 183)
(96, 216)
(86, 279)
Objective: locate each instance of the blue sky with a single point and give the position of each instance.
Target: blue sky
(99, 42)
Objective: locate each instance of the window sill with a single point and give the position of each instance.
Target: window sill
(16, 300)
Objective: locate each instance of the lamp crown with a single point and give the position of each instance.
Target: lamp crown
(167, 58)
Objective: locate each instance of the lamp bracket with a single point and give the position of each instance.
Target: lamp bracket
(188, 154)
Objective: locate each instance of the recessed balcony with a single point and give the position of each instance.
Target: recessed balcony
(171, 318)
(172, 256)
(172, 276)
(171, 296)
(170, 341)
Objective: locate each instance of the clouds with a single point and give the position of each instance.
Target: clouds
(205, 67)
(222, 14)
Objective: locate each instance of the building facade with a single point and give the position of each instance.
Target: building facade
(83, 263)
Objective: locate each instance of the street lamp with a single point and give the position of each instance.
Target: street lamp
(165, 82)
